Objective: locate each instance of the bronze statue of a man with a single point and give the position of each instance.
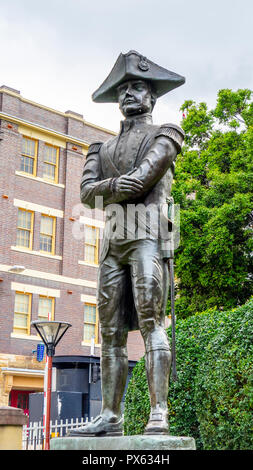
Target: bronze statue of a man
(135, 167)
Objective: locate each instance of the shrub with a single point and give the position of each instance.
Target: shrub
(224, 384)
(212, 400)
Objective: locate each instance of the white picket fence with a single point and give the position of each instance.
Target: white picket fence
(34, 434)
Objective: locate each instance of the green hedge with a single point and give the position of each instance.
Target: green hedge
(212, 400)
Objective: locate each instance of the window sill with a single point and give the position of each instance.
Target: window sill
(37, 253)
(26, 337)
(89, 344)
(41, 180)
(84, 263)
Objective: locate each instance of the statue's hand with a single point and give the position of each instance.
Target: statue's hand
(127, 184)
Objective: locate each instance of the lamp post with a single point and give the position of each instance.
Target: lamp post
(51, 333)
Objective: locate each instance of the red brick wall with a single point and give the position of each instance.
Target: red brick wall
(68, 307)
(71, 160)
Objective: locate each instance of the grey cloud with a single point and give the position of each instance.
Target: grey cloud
(59, 51)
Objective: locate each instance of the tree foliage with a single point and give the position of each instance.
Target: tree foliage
(213, 185)
(212, 400)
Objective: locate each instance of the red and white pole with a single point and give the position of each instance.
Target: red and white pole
(46, 407)
(48, 402)
(45, 396)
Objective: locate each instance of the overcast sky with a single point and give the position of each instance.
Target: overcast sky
(58, 52)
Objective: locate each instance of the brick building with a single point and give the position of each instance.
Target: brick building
(47, 266)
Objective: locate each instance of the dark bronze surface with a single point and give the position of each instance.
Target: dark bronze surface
(135, 167)
(131, 66)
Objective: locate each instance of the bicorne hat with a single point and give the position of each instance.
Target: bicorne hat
(134, 66)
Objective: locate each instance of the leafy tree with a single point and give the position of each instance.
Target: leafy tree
(213, 185)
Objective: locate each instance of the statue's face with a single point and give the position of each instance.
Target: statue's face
(134, 97)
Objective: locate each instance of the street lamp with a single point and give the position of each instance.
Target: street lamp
(16, 269)
(51, 333)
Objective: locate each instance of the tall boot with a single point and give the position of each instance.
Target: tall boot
(114, 375)
(158, 369)
(109, 423)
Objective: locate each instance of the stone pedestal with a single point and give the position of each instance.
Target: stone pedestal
(11, 426)
(138, 442)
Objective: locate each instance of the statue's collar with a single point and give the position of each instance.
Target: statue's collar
(135, 120)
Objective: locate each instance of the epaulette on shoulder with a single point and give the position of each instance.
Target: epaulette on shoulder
(94, 147)
(173, 126)
(174, 132)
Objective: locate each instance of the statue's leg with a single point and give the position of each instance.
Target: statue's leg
(150, 288)
(114, 376)
(114, 359)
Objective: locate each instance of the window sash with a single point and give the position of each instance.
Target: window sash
(22, 316)
(47, 237)
(49, 172)
(28, 146)
(91, 244)
(29, 153)
(51, 163)
(90, 324)
(27, 164)
(25, 228)
(46, 306)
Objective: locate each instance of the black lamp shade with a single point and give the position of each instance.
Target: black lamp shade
(51, 331)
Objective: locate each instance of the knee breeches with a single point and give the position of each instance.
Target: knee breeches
(133, 278)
